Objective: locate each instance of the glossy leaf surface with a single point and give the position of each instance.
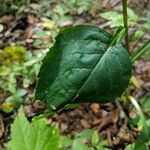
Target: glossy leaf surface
(81, 67)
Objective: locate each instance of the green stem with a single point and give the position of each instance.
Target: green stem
(144, 48)
(125, 20)
(141, 115)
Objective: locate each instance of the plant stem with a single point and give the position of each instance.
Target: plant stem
(125, 20)
(144, 48)
(141, 115)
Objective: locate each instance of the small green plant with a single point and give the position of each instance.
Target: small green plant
(17, 63)
(38, 135)
(115, 19)
(63, 7)
(87, 139)
(142, 121)
(56, 18)
(138, 145)
(79, 6)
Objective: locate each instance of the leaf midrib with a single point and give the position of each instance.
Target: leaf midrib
(77, 95)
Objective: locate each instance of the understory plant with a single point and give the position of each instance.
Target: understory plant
(39, 135)
(18, 70)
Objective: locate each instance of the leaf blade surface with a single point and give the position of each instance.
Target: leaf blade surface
(82, 67)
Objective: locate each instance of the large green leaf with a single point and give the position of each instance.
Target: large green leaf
(138, 145)
(36, 135)
(81, 67)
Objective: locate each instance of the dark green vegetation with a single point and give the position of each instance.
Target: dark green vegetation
(82, 67)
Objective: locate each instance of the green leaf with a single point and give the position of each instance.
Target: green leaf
(146, 55)
(138, 34)
(15, 100)
(148, 16)
(116, 18)
(145, 102)
(145, 133)
(95, 138)
(32, 136)
(109, 15)
(45, 137)
(131, 14)
(79, 146)
(65, 142)
(7, 107)
(100, 147)
(21, 92)
(103, 143)
(85, 134)
(81, 67)
(138, 145)
(85, 5)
